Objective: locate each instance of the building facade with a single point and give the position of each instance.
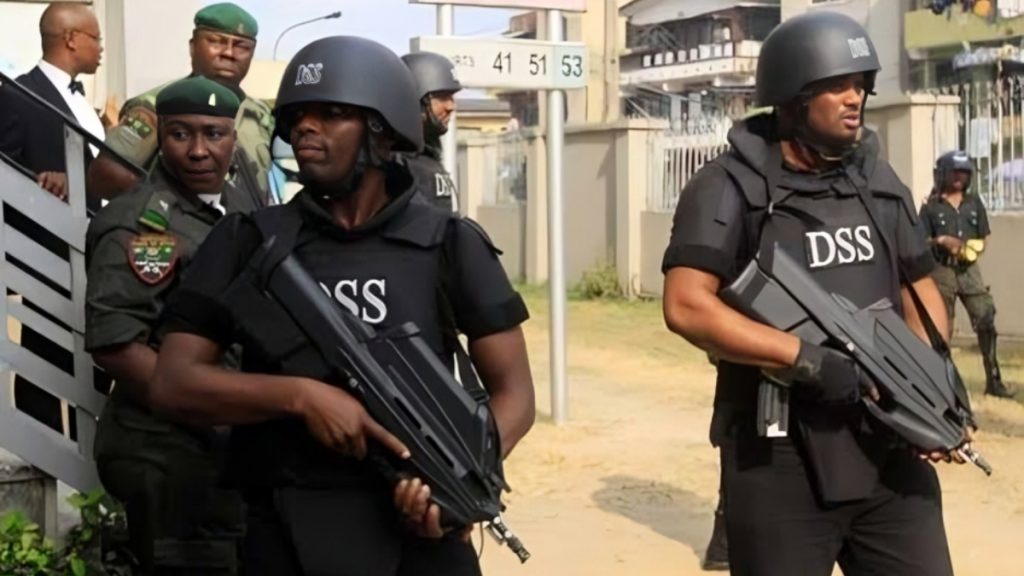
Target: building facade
(976, 56)
(692, 62)
(602, 30)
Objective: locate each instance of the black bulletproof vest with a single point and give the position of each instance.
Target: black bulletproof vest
(432, 181)
(387, 276)
(820, 220)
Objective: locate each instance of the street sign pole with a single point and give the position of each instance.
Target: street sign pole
(514, 64)
(553, 65)
(556, 248)
(449, 144)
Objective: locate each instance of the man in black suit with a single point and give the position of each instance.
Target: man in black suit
(34, 138)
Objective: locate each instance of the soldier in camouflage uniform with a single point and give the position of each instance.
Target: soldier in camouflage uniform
(957, 226)
(222, 47)
(166, 474)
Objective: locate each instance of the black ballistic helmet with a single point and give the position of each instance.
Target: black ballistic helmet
(813, 46)
(357, 72)
(432, 72)
(951, 162)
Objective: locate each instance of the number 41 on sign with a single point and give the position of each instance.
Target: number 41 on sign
(517, 64)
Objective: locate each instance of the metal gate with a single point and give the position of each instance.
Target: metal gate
(991, 130)
(673, 157)
(505, 168)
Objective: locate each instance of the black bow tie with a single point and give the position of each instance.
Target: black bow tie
(76, 86)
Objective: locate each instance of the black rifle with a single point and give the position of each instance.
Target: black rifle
(922, 396)
(403, 385)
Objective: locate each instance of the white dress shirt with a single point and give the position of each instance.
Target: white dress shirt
(213, 200)
(80, 107)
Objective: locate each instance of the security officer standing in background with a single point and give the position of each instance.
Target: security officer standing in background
(137, 248)
(957, 227)
(315, 506)
(437, 85)
(221, 48)
(807, 177)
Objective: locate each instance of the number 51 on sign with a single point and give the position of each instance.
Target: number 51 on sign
(517, 64)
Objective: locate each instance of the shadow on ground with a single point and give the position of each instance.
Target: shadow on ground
(998, 422)
(675, 513)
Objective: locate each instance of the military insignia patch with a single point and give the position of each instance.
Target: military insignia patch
(154, 219)
(139, 127)
(152, 256)
(140, 121)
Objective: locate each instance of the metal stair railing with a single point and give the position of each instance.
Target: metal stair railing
(32, 272)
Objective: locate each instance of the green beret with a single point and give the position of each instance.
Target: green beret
(197, 95)
(229, 18)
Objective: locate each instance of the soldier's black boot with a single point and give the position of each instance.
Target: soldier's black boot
(717, 555)
(994, 385)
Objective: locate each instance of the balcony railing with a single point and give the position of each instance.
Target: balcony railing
(923, 30)
(743, 49)
(705, 61)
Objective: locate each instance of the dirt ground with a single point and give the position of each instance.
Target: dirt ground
(628, 486)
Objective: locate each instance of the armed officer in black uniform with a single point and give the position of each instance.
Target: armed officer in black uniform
(137, 247)
(837, 487)
(298, 444)
(957, 225)
(437, 85)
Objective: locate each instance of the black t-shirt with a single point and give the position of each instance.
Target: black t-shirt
(384, 271)
(967, 222)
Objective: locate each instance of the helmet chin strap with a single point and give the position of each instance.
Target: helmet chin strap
(827, 148)
(830, 149)
(433, 128)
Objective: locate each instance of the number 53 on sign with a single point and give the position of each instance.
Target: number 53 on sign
(517, 64)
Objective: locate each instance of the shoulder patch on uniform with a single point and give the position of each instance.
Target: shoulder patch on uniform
(153, 219)
(476, 227)
(140, 119)
(139, 127)
(152, 256)
(157, 213)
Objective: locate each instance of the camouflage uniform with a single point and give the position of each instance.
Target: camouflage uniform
(957, 278)
(135, 138)
(164, 473)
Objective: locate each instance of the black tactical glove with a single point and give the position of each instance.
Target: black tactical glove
(826, 376)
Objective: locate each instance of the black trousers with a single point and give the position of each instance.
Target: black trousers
(180, 522)
(777, 526)
(342, 532)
